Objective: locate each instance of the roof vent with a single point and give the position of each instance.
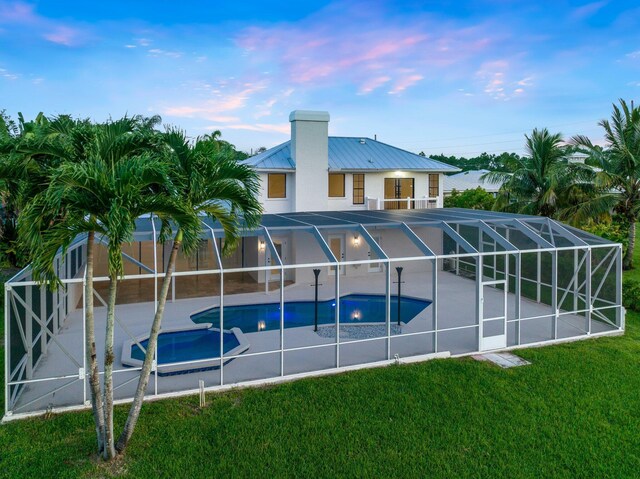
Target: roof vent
(362, 141)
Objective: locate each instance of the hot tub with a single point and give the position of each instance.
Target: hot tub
(188, 349)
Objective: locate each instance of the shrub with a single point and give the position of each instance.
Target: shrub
(631, 294)
(476, 199)
(616, 230)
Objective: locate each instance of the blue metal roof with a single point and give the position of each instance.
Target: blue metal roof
(352, 154)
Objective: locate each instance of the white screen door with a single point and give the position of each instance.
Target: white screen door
(375, 267)
(493, 310)
(336, 243)
(280, 245)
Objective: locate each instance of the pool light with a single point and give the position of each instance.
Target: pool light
(262, 326)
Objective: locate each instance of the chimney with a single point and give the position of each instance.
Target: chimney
(310, 153)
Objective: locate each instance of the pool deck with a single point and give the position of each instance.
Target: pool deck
(456, 308)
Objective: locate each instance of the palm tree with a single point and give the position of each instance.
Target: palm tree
(117, 179)
(618, 174)
(211, 183)
(543, 179)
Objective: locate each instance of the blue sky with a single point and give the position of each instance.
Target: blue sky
(454, 77)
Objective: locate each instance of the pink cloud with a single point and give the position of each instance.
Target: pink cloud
(362, 45)
(373, 84)
(221, 98)
(21, 14)
(496, 80)
(64, 36)
(18, 12)
(405, 82)
(587, 10)
(284, 128)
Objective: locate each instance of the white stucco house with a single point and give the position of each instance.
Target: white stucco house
(317, 172)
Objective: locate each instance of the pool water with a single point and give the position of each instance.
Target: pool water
(176, 346)
(354, 309)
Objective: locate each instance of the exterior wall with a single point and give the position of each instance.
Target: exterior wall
(302, 248)
(373, 188)
(277, 205)
(310, 153)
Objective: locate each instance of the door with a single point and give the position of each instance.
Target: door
(398, 189)
(375, 267)
(280, 245)
(493, 319)
(336, 243)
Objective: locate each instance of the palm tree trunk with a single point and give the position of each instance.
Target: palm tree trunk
(109, 449)
(92, 361)
(134, 411)
(627, 262)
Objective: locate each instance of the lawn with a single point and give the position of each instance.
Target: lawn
(575, 412)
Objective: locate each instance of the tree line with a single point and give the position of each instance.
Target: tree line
(601, 195)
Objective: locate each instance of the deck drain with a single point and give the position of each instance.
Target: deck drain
(504, 360)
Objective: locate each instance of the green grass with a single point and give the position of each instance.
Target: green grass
(575, 412)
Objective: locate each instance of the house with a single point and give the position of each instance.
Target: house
(325, 283)
(317, 172)
(469, 180)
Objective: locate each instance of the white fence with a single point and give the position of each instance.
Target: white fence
(403, 203)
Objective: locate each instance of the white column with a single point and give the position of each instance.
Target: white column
(434, 305)
(587, 292)
(554, 291)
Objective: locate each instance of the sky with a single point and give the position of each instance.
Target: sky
(452, 77)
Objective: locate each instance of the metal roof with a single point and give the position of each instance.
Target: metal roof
(469, 180)
(352, 154)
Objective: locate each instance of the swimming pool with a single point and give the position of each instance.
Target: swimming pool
(354, 309)
(194, 343)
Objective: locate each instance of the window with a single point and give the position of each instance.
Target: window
(277, 185)
(336, 185)
(358, 188)
(434, 186)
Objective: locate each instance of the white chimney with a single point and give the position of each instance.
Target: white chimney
(310, 153)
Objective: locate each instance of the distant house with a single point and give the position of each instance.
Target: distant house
(577, 157)
(317, 172)
(469, 180)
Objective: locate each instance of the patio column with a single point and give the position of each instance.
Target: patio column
(587, 293)
(28, 331)
(554, 291)
(43, 315)
(619, 308)
(479, 299)
(281, 320)
(538, 276)
(434, 304)
(518, 286)
(388, 307)
(576, 272)
(337, 280)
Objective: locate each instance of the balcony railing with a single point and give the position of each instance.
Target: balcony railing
(403, 203)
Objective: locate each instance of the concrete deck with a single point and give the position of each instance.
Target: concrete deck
(456, 307)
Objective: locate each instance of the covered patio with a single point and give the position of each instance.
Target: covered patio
(423, 282)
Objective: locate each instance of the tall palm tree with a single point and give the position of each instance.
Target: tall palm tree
(543, 179)
(211, 183)
(618, 177)
(117, 179)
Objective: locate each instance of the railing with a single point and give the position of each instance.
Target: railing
(402, 203)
